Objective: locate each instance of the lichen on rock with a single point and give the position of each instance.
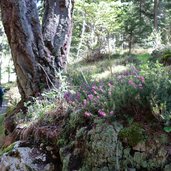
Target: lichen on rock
(25, 159)
(103, 140)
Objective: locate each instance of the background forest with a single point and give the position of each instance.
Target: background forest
(111, 108)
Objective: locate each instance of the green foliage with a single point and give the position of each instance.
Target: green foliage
(143, 57)
(7, 149)
(157, 90)
(101, 23)
(132, 135)
(163, 55)
(167, 129)
(77, 78)
(58, 92)
(38, 107)
(166, 57)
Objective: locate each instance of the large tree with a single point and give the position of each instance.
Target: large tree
(37, 49)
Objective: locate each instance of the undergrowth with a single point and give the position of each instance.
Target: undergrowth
(139, 92)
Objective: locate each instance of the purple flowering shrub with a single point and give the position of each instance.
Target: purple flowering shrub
(128, 94)
(108, 97)
(137, 92)
(93, 99)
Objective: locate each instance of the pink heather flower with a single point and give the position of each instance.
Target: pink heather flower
(111, 113)
(142, 79)
(90, 96)
(87, 114)
(101, 113)
(140, 86)
(109, 84)
(94, 87)
(120, 77)
(84, 102)
(98, 97)
(131, 82)
(101, 89)
(95, 92)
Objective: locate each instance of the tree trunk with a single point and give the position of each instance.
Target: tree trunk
(156, 6)
(34, 61)
(81, 37)
(57, 29)
(130, 43)
(140, 10)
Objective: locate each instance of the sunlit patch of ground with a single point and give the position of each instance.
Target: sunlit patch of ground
(119, 68)
(142, 51)
(89, 68)
(108, 73)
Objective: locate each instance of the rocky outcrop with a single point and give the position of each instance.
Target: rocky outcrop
(102, 149)
(20, 158)
(96, 144)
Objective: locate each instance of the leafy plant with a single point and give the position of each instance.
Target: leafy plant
(132, 135)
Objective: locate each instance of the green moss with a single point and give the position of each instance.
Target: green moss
(132, 135)
(7, 149)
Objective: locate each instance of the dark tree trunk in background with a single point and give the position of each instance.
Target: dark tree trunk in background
(34, 54)
(156, 8)
(130, 42)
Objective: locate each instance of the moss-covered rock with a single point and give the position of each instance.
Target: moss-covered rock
(108, 146)
(103, 140)
(149, 160)
(97, 144)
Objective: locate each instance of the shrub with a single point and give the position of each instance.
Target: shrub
(157, 90)
(142, 91)
(106, 97)
(132, 135)
(163, 55)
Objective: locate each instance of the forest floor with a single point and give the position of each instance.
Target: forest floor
(116, 90)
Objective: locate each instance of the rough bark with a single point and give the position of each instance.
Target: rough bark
(34, 53)
(22, 27)
(57, 28)
(33, 61)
